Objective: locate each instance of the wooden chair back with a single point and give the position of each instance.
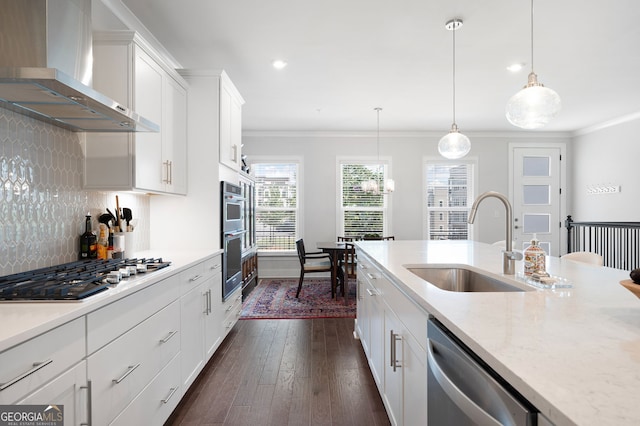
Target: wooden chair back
(350, 261)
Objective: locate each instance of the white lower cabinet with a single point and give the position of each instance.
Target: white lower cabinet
(393, 332)
(231, 309)
(69, 390)
(128, 362)
(122, 369)
(405, 377)
(200, 316)
(156, 402)
(29, 366)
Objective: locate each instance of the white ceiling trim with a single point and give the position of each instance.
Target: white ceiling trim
(409, 134)
(616, 121)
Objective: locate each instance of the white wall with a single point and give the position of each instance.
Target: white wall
(319, 153)
(605, 155)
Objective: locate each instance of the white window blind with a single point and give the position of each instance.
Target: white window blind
(449, 189)
(276, 205)
(362, 213)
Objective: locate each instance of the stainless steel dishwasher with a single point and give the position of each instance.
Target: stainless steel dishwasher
(464, 391)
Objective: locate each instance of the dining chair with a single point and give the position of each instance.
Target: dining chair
(340, 239)
(372, 237)
(584, 257)
(313, 262)
(350, 262)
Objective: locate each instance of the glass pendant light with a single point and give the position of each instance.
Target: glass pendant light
(534, 105)
(371, 186)
(454, 145)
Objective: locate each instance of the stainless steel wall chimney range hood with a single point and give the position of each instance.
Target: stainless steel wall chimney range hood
(46, 68)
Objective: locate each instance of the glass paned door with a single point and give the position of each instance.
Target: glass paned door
(536, 197)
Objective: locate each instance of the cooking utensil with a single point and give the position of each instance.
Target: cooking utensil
(106, 218)
(118, 220)
(127, 215)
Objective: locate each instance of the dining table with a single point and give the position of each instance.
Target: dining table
(336, 251)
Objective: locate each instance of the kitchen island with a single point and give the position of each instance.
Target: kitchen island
(574, 353)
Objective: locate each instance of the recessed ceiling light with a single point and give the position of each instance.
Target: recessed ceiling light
(515, 67)
(279, 64)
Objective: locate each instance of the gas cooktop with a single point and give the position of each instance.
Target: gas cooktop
(73, 281)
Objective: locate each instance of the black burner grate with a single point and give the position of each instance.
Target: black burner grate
(69, 281)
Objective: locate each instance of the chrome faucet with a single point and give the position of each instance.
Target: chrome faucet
(509, 256)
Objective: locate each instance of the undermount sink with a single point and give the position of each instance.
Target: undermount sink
(462, 280)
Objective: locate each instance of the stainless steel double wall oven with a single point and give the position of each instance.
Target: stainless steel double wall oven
(232, 226)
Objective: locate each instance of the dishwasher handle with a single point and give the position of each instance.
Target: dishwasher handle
(470, 408)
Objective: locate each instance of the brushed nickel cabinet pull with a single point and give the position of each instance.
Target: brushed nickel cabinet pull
(88, 388)
(130, 370)
(168, 397)
(395, 338)
(169, 336)
(36, 366)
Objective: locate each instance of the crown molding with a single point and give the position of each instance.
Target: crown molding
(606, 124)
(397, 134)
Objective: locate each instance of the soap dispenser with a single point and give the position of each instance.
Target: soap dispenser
(534, 258)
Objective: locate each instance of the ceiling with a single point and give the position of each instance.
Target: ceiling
(347, 57)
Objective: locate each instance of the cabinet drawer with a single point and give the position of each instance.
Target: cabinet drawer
(213, 266)
(191, 277)
(106, 324)
(157, 401)
(120, 370)
(232, 309)
(30, 365)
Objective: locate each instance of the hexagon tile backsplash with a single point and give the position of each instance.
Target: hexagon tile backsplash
(42, 203)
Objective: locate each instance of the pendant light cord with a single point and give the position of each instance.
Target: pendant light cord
(531, 35)
(455, 23)
(378, 109)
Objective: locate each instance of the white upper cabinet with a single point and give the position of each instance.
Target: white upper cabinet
(230, 123)
(129, 71)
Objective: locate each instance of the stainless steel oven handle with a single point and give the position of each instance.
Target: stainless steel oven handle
(234, 233)
(36, 366)
(470, 408)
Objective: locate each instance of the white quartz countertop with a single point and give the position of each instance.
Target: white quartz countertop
(574, 353)
(22, 321)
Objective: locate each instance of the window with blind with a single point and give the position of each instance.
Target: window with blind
(360, 212)
(276, 205)
(449, 190)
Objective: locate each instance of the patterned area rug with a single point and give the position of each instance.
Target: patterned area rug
(275, 298)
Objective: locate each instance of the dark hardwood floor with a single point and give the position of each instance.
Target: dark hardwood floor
(285, 372)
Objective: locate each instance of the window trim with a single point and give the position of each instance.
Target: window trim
(426, 161)
(298, 160)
